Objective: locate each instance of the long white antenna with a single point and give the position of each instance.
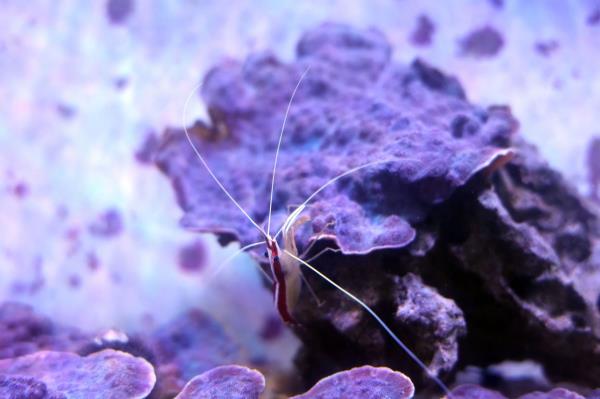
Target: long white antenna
(300, 208)
(206, 164)
(287, 111)
(406, 349)
(231, 257)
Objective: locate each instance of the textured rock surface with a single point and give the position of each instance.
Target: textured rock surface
(338, 335)
(15, 387)
(431, 317)
(362, 382)
(532, 244)
(54, 375)
(353, 107)
(512, 255)
(232, 382)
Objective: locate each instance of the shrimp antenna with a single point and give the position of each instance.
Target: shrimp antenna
(231, 257)
(290, 219)
(388, 330)
(205, 164)
(287, 111)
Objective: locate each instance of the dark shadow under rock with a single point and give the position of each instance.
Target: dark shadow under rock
(530, 275)
(188, 346)
(22, 331)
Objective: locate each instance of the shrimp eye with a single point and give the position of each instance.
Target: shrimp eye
(276, 259)
(266, 254)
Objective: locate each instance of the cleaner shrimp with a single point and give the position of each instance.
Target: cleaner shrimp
(285, 261)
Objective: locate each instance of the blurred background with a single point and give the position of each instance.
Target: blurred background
(89, 230)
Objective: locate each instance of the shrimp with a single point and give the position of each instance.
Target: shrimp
(285, 263)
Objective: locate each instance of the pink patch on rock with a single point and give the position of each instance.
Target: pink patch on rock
(594, 17)
(546, 48)
(365, 382)
(106, 374)
(483, 42)
(20, 190)
(119, 10)
(108, 224)
(423, 33)
(192, 257)
(93, 262)
(272, 328)
(72, 234)
(232, 382)
(147, 150)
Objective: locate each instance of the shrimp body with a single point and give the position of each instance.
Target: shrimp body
(287, 275)
(280, 282)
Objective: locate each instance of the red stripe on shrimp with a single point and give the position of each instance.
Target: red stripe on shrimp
(280, 291)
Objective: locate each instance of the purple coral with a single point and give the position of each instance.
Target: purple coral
(108, 224)
(422, 35)
(107, 374)
(354, 107)
(192, 257)
(365, 382)
(503, 253)
(232, 382)
(118, 11)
